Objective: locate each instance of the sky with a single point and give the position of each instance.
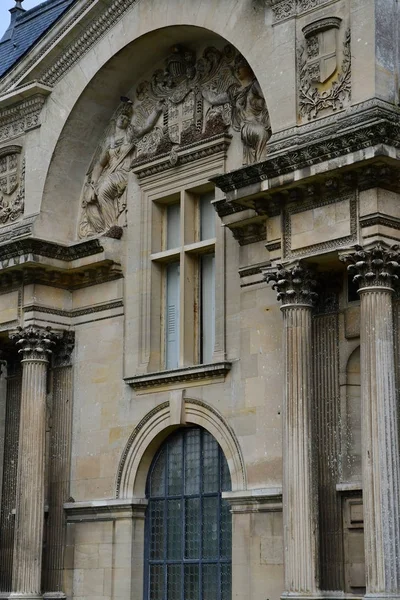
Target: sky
(5, 5)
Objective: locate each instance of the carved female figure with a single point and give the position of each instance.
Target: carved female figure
(249, 111)
(109, 176)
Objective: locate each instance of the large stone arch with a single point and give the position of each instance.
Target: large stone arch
(153, 429)
(82, 102)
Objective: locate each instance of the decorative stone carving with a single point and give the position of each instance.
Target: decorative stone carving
(187, 103)
(34, 342)
(283, 9)
(21, 117)
(62, 355)
(324, 84)
(375, 267)
(295, 284)
(103, 195)
(12, 184)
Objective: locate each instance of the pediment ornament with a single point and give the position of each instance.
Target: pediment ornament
(186, 103)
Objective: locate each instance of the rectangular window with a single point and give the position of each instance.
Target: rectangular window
(207, 307)
(172, 315)
(183, 241)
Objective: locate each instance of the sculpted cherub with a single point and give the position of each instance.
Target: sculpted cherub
(108, 178)
(249, 111)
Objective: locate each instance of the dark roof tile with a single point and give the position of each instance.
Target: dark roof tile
(29, 27)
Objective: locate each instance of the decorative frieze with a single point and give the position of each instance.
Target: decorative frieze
(284, 9)
(21, 117)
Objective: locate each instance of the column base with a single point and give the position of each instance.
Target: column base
(24, 596)
(320, 595)
(54, 596)
(383, 596)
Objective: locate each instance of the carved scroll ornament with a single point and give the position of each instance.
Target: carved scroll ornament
(186, 103)
(12, 184)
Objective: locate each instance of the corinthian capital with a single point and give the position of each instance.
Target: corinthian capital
(295, 284)
(376, 266)
(34, 342)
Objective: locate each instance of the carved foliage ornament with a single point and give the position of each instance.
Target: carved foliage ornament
(283, 9)
(188, 102)
(377, 266)
(324, 80)
(12, 184)
(294, 284)
(34, 343)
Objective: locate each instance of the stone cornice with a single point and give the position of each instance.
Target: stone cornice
(106, 510)
(253, 501)
(49, 249)
(367, 125)
(30, 260)
(199, 373)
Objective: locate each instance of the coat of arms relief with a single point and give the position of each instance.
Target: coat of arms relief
(187, 103)
(12, 176)
(324, 68)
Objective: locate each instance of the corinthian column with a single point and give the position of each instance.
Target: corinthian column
(375, 271)
(296, 289)
(34, 345)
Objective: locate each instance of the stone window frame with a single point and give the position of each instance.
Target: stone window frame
(144, 369)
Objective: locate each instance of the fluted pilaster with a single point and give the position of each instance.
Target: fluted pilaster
(59, 466)
(296, 289)
(375, 271)
(34, 345)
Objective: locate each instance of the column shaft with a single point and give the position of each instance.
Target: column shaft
(30, 479)
(299, 490)
(380, 443)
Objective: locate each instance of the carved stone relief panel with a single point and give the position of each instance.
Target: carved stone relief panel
(324, 68)
(314, 227)
(186, 105)
(12, 184)
(284, 9)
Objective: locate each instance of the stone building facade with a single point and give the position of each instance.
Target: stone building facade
(199, 306)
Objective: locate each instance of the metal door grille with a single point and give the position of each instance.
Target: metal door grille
(188, 524)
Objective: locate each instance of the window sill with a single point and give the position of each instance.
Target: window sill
(197, 374)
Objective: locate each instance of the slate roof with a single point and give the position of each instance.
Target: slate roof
(29, 27)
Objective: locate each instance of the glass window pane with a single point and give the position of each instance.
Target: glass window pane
(192, 581)
(174, 585)
(173, 226)
(157, 487)
(207, 307)
(225, 475)
(174, 542)
(192, 462)
(226, 530)
(226, 582)
(192, 528)
(156, 582)
(157, 529)
(210, 582)
(210, 464)
(207, 216)
(210, 527)
(172, 316)
(175, 463)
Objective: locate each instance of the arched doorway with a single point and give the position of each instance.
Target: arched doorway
(188, 524)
